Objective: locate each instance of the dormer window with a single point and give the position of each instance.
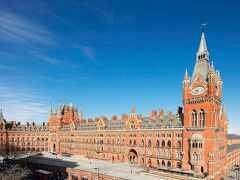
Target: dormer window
(132, 125)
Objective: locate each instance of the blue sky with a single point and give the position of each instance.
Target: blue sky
(110, 56)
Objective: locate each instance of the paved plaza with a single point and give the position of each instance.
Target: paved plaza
(115, 169)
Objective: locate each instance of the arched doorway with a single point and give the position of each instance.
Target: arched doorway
(132, 156)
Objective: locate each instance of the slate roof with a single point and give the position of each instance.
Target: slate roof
(164, 122)
(37, 128)
(233, 136)
(167, 121)
(233, 147)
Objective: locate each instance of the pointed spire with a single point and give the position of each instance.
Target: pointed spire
(51, 110)
(186, 75)
(212, 67)
(219, 76)
(1, 116)
(203, 44)
(80, 114)
(1, 113)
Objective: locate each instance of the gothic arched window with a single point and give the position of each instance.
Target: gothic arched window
(149, 143)
(178, 145)
(194, 118)
(163, 163)
(163, 143)
(169, 144)
(157, 143)
(202, 118)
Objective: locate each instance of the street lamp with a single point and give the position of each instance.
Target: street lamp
(98, 171)
(131, 167)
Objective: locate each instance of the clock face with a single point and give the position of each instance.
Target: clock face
(197, 90)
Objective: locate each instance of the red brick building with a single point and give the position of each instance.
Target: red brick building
(191, 141)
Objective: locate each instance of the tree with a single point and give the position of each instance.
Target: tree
(10, 152)
(14, 172)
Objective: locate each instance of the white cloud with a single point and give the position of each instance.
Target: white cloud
(17, 29)
(6, 67)
(23, 106)
(88, 52)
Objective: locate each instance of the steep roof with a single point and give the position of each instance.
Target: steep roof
(203, 44)
(202, 66)
(233, 136)
(2, 120)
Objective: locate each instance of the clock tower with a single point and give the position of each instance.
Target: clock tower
(205, 120)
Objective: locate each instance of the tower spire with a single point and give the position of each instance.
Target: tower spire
(1, 115)
(186, 75)
(203, 44)
(80, 114)
(50, 110)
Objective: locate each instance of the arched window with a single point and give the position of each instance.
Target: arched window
(163, 163)
(168, 153)
(194, 118)
(132, 125)
(163, 143)
(149, 152)
(179, 144)
(157, 153)
(142, 143)
(202, 118)
(178, 155)
(169, 164)
(149, 143)
(163, 153)
(169, 144)
(158, 162)
(179, 165)
(157, 143)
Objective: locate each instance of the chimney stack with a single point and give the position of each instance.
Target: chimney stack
(114, 118)
(14, 124)
(161, 113)
(170, 113)
(153, 114)
(124, 117)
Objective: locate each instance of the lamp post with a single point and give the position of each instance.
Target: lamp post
(98, 171)
(131, 167)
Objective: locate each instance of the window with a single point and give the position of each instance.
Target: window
(132, 125)
(169, 144)
(157, 143)
(202, 118)
(179, 144)
(178, 155)
(194, 118)
(179, 165)
(149, 152)
(149, 143)
(163, 163)
(163, 143)
(142, 143)
(169, 164)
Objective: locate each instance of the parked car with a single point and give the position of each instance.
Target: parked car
(67, 155)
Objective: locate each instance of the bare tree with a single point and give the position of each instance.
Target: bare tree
(10, 152)
(15, 172)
